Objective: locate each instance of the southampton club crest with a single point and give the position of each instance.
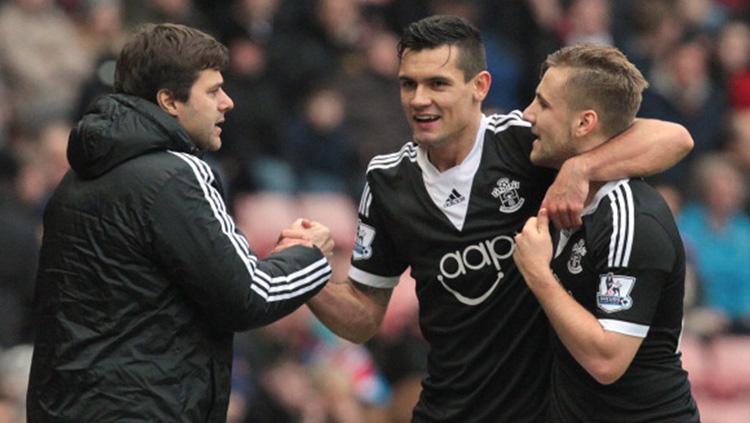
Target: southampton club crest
(614, 292)
(577, 252)
(507, 192)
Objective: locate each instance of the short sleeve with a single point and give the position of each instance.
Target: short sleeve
(375, 261)
(634, 256)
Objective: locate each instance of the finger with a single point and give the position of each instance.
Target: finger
(293, 233)
(307, 223)
(530, 224)
(542, 224)
(577, 220)
(565, 219)
(545, 203)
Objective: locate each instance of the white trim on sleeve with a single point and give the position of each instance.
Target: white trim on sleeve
(372, 280)
(625, 328)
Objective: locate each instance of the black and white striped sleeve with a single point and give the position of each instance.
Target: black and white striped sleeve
(200, 248)
(634, 256)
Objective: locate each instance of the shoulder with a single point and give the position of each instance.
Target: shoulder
(388, 163)
(632, 223)
(169, 168)
(509, 135)
(497, 123)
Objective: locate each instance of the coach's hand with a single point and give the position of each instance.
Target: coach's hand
(533, 251)
(566, 196)
(312, 231)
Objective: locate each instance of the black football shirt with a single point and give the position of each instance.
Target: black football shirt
(626, 266)
(489, 357)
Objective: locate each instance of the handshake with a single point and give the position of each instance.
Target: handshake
(307, 233)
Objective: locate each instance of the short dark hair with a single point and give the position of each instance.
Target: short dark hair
(439, 30)
(603, 79)
(166, 56)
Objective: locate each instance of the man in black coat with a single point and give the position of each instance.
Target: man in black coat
(143, 277)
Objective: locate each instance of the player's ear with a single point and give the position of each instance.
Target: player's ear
(481, 82)
(166, 100)
(587, 121)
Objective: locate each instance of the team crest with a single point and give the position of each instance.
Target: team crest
(363, 242)
(578, 251)
(507, 191)
(614, 292)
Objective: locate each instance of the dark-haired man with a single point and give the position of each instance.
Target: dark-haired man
(615, 288)
(143, 277)
(448, 205)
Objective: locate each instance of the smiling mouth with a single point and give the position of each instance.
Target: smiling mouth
(426, 119)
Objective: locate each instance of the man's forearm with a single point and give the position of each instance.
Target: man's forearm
(349, 312)
(647, 147)
(603, 354)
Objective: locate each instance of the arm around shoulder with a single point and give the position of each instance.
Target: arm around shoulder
(647, 147)
(351, 310)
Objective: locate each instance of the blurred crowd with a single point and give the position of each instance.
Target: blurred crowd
(316, 96)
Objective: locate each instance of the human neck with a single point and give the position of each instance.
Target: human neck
(452, 152)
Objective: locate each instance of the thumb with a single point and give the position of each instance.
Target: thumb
(542, 222)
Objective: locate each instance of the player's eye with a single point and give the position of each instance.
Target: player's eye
(407, 84)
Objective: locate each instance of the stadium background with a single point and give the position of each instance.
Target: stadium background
(316, 97)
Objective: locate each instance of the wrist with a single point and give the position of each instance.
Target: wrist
(541, 278)
(581, 166)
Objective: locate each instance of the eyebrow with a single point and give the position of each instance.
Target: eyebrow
(428, 80)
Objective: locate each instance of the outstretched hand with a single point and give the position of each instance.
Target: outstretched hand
(309, 233)
(533, 251)
(565, 198)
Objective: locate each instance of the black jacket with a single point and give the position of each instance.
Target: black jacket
(143, 278)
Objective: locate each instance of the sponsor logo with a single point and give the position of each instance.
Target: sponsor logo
(363, 241)
(577, 252)
(614, 292)
(475, 257)
(454, 198)
(507, 192)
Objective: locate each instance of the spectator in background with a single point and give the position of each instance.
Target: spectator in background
(732, 55)
(43, 62)
(717, 234)
(257, 18)
(139, 12)
(738, 147)
(43, 163)
(103, 36)
(373, 122)
(682, 91)
(323, 158)
(706, 16)
(319, 44)
(502, 55)
(19, 244)
(255, 152)
(588, 21)
(299, 371)
(15, 363)
(654, 29)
